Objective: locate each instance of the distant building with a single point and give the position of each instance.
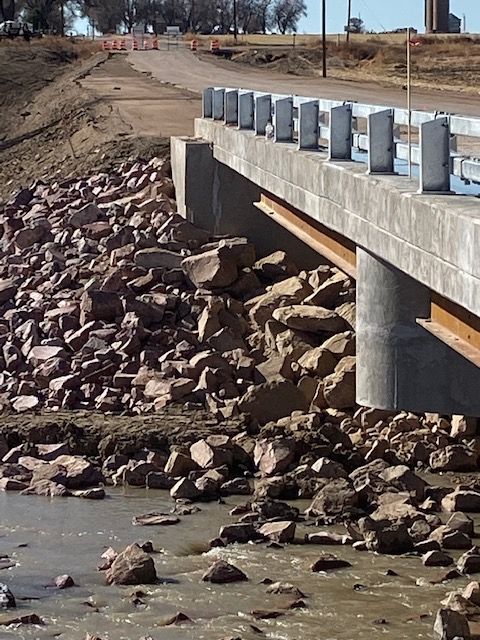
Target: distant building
(413, 31)
(454, 23)
(436, 16)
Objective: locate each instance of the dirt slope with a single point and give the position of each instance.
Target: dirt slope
(67, 114)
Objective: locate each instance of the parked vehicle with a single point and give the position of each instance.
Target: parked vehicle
(17, 29)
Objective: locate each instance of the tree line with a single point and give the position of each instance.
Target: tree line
(198, 16)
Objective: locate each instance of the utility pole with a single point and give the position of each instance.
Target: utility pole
(349, 17)
(324, 38)
(192, 17)
(409, 104)
(235, 28)
(62, 19)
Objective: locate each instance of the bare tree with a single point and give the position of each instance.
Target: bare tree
(287, 13)
(106, 15)
(264, 15)
(9, 9)
(47, 15)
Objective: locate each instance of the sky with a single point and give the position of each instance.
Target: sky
(380, 15)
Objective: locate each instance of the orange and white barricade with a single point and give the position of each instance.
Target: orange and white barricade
(106, 45)
(115, 45)
(194, 45)
(214, 46)
(123, 45)
(155, 43)
(135, 44)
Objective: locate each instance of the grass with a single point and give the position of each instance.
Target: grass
(65, 49)
(441, 61)
(305, 40)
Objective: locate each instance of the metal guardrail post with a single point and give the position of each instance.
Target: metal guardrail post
(245, 110)
(263, 113)
(231, 107)
(381, 149)
(283, 119)
(308, 125)
(435, 156)
(218, 103)
(207, 103)
(340, 141)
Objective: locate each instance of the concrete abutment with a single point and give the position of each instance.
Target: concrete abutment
(214, 197)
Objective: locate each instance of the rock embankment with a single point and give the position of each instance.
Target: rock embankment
(112, 302)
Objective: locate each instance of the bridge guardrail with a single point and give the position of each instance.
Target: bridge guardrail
(333, 125)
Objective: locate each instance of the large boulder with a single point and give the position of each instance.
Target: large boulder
(212, 269)
(100, 305)
(178, 464)
(46, 488)
(386, 537)
(336, 500)
(270, 401)
(454, 458)
(208, 456)
(185, 489)
(302, 317)
(339, 387)
(451, 538)
(326, 295)
(275, 266)
(462, 499)
(450, 625)
(132, 566)
(8, 289)
(240, 532)
(222, 572)
(403, 479)
(274, 456)
(325, 468)
(154, 257)
(287, 292)
(469, 562)
(283, 531)
(80, 472)
(329, 562)
(7, 599)
(318, 361)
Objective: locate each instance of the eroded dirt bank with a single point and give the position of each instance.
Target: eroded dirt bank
(69, 109)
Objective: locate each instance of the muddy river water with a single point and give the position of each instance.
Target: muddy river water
(69, 535)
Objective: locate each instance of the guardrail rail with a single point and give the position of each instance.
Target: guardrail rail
(336, 127)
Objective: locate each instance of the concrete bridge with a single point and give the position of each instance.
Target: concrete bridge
(329, 177)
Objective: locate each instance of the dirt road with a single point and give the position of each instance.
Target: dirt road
(184, 69)
(147, 106)
(82, 116)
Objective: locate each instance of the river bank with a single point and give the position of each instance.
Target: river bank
(69, 537)
(138, 350)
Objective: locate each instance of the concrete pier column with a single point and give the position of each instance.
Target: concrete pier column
(400, 365)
